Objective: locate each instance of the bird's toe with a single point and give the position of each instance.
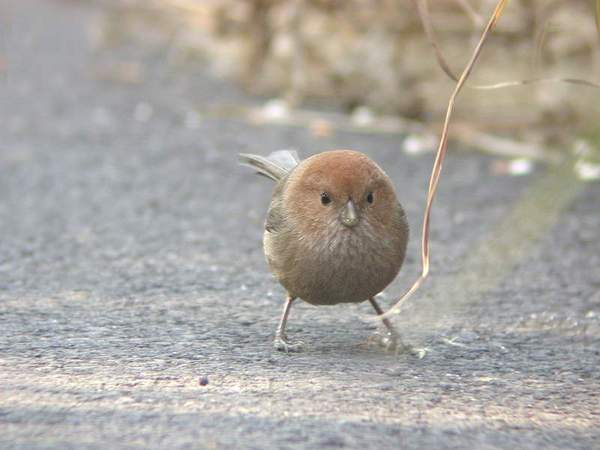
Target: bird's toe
(281, 344)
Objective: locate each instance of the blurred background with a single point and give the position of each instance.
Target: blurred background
(371, 58)
(136, 308)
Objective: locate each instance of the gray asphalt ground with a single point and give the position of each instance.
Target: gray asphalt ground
(131, 269)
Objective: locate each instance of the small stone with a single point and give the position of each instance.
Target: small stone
(203, 380)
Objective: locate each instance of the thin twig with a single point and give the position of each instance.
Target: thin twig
(598, 16)
(470, 11)
(439, 160)
(423, 12)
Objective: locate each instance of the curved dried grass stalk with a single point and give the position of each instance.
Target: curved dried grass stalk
(598, 16)
(439, 160)
(423, 11)
(505, 84)
(424, 15)
(470, 11)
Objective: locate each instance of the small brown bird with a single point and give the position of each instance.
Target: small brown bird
(334, 233)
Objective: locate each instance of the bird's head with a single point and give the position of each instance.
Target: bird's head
(339, 190)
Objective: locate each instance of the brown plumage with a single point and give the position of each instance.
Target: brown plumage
(334, 233)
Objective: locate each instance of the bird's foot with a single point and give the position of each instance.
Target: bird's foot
(282, 344)
(392, 343)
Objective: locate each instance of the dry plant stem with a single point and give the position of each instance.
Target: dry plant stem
(470, 11)
(423, 11)
(539, 45)
(439, 160)
(598, 16)
(514, 83)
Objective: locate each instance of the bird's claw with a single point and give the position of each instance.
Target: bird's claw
(392, 343)
(281, 344)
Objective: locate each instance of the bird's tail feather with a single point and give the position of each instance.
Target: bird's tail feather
(275, 166)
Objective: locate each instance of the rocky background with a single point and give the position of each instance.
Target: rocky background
(374, 53)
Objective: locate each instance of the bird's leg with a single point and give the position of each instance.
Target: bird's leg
(281, 343)
(392, 341)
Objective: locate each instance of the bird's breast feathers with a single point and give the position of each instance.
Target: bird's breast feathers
(340, 265)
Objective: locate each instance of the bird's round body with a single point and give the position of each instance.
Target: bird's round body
(335, 232)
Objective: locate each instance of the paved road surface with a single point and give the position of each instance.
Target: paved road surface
(131, 267)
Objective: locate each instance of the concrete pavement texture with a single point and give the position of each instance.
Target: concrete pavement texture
(136, 309)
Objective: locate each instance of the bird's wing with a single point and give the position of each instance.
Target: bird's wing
(275, 220)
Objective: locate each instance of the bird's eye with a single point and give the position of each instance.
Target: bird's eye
(325, 199)
(370, 197)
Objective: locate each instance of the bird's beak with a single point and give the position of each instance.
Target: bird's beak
(349, 215)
